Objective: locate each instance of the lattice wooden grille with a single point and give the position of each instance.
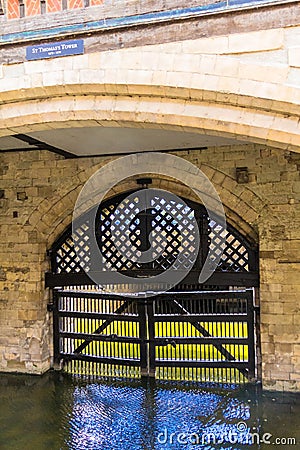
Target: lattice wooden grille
(235, 257)
(77, 243)
(125, 228)
(122, 228)
(116, 222)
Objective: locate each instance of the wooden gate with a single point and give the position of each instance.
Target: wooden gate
(191, 331)
(207, 336)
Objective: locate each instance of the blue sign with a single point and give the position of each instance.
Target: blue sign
(55, 49)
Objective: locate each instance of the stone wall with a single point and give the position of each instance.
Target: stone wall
(233, 75)
(39, 190)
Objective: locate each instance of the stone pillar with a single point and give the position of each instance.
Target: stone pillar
(280, 307)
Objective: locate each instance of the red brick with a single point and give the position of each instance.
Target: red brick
(53, 5)
(13, 9)
(32, 7)
(73, 4)
(96, 2)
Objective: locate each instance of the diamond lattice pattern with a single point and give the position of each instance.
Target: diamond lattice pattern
(74, 253)
(235, 256)
(171, 239)
(171, 233)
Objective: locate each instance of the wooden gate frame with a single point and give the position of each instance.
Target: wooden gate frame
(63, 275)
(148, 342)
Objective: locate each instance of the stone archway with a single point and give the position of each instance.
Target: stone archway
(167, 86)
(203, 117)
(74, 286)
(242, 206)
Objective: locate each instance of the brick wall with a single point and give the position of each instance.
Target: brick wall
(114, 8)
(15, 8)
(53, 5)
(271, 200)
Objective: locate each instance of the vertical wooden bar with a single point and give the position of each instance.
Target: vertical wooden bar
(141, 305)
(56, 337)
(151, 333)
(251, 334)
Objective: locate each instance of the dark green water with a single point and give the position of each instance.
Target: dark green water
(60, 412)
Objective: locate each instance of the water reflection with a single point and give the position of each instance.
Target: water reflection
(107, 417)
(58, 412)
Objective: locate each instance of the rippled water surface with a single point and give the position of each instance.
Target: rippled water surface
(60, 412)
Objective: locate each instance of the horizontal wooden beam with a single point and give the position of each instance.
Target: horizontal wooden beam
(242, 279)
